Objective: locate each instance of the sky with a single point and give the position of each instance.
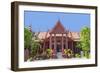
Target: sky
(44, 21)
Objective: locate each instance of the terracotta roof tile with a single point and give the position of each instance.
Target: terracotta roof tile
(59, 29)
(73, 35)
(42, 35)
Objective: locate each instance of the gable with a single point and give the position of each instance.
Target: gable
(58, 28)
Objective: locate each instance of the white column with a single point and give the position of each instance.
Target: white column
(72, 45)
(55, 41)
(62, 42)
(66, 42)
(50, 43)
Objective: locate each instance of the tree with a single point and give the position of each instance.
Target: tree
(27, 43)
(27, 38)
(31, 42)
(84, 43)
(34, 47)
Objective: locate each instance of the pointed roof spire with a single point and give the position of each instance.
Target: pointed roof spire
(58, 28)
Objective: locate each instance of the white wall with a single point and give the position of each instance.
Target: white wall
(5, 31)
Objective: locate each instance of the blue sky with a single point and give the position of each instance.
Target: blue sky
(42, 21)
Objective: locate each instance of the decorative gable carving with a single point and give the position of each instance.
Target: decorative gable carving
(58, 29)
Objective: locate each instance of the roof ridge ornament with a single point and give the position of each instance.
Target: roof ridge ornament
(58, 28)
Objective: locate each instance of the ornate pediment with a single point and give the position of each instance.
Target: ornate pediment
(58, 28)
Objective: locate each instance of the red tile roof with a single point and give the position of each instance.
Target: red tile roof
(58, 30)
(73, 35)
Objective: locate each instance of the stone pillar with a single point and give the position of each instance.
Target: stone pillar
(62, 42)
(66, 42)
(44, 46)
(73, 48)
(72, 45)
(55, 41)
(50, 43)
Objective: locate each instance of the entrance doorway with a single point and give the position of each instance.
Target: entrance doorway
(59, 52)
(58, 47)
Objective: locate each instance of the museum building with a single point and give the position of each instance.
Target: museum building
(59, 38)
